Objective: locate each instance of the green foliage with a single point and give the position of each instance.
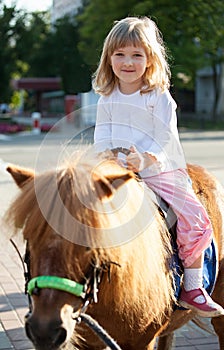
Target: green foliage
(193, 31)
(60, 52)
(31, 47)
(51, 51)
(7, 54)
(94, 24)
(16, 98)
(33, 31)
(19, 34)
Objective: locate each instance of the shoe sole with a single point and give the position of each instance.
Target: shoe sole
(201, 313)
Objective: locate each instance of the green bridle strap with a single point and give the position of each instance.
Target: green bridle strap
(54, 282)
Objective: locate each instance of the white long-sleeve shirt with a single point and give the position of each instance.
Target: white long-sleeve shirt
(146, 121)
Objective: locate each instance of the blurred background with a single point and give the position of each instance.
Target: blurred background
(50, 49)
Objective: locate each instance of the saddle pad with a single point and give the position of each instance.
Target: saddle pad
(210, 269)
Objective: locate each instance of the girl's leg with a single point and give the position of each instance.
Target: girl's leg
(194, 233)
(194, 230)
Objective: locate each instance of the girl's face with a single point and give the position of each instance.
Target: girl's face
(129, 64)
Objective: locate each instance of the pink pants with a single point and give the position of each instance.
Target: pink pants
(194, 229)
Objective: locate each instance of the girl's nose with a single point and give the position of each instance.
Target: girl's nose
(128, 61)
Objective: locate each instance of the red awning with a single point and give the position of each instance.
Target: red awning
(37, 84)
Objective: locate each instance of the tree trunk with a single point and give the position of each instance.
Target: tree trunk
(220, 104)
(216, 92)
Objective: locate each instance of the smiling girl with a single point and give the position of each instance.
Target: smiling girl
(136, 111)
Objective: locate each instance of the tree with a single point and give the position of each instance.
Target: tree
(20, 37)
(52, 51)
(95, 22)
(193, 31)
(34, 29)
(32, 47)
(75, 73)
(8, 24)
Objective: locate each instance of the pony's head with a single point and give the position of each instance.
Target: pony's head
(84, 214)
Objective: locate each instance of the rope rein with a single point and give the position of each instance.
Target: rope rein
(100, 331)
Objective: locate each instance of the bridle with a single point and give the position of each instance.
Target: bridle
(53, 282)
(87, 291)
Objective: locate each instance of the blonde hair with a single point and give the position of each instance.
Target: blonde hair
(138, 32)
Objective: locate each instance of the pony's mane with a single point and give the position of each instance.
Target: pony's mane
(67, 202)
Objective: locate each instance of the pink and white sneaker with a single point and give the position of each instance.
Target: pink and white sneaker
(206, 309)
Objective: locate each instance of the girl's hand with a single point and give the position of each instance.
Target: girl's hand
(137, 161)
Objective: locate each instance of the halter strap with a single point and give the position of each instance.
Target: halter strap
(54, 282)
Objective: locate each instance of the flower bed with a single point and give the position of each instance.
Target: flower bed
(11, 128)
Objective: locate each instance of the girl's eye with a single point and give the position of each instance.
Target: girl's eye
(138, 55)
(118, 54)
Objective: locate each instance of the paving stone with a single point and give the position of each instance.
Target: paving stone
(4, 340)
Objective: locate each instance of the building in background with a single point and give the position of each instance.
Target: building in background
(205, 91)
(60, 8)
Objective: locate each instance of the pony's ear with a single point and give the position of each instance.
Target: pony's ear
(20, 175)
(107, 185)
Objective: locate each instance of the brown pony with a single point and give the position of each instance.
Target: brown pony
(92, 213)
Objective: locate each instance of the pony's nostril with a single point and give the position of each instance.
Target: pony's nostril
(47, 336)
(60, 336)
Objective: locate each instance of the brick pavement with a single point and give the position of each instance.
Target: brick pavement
(13, 302)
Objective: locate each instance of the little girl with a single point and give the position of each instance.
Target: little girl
(136, 111)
